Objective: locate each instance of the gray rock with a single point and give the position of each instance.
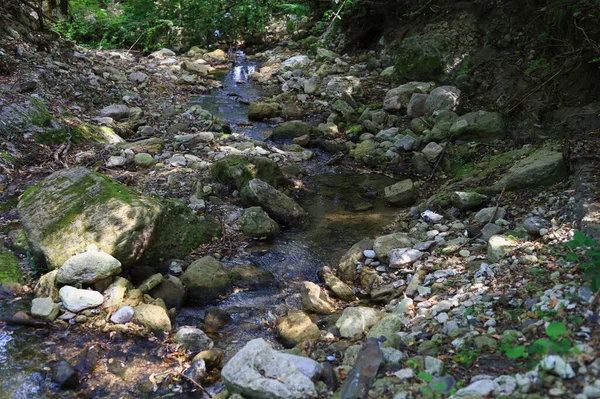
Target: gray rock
(163, 53)
(44, 308)
(406, 143)
(465, 201)
(143, 160)
(343, 84)
(479, 126)
(534, 224)
(196, 68)
(388, 327)
(291, 129)
(258, 371)
(416, 105)
(481, 388)
(256, 223)
(206, 280)
(296, 328)
(115, 161)
(556, 365)
(396, 98)
(401, 257)
(364, 371)
(64, 375)
(384, 244)
(306, 365)
(489, 230)
(138, 77)
(432, 151)
(123, 315)
(296, 62)
(347, 265)
(87, 267)
(499, 247)
(542, 168)
(171, 290)
(490, 215)
(152, 317)
(442, 98)
(323, 54)
(403, 193)
(118, 112)
(387, 134)
(114, 295)
(434, 366)
(356, 321)
(278, 205)
(194, 339)
(76, 300)
(195, 139)
(339, 288)
(316, 300)
(251, 277)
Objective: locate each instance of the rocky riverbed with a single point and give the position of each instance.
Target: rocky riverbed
(203, 224)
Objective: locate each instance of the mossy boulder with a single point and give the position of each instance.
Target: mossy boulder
(291, 129)
(421, 57)
(74, 208)
(256, 223)
(251, 277)
(206, 280)
(279, 206)
(237, 170)
(9, 268)
(542, 168)
(258, 111)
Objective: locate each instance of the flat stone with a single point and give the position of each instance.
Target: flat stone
(87, 268)
(44, 308)
(401, 257)
(123, 315)
(76, 300)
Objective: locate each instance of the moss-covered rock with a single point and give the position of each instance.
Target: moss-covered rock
(9, 268)
(237, 170)
(291, 129)
(251, 277)
(206, 280)
(279, 206)
(421, 57)
(256, 223)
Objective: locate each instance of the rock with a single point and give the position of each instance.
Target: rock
(398, 97)
(403, 193)
(434, 366)
(88, 267)
(138, 77)
(306, 365)
(416, 105)
(406, 143)
(114, 161)
(44, 308)
(278, 205)
(193, 140)
(162, 54)
(490, 215)
(385, 244)
(171, 290)
(74, 208)
(256, 223)
(534, 224)
(490, 230)
(76, 300)
(259, 111)
(466, 201)
(154, 145)
(194, 339)
(339, 288)
(442, 98)
(388, 327)
(123, 315)
(364, 371)
(499, 247)
(302, 141)
(556, 365)
(143, 160)
(369, 253)
(311, 85)
(296, 328)
(316, 300)
(236, 171)
(46, 286)
(542, 168)
(258, 371)
(347, 266)
(479, 126)
(291, 129)
(387, 134)
(212, 358)
(401, 257)
(118, 112)
(195, 68)
(432, 151)
(216, 318)
(150, 283)
(250, 277)
(323, 54)
(64, 375)
(480, 388)
(114, 295)
(344, 84)
(413, 286)
(152, 317)
(356, 321)
(205, 280)
(297, 61)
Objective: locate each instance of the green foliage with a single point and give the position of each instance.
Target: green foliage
(557, 343)
(591, 258)
(541, 66)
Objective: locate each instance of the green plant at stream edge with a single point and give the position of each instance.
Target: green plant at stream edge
(591, 258)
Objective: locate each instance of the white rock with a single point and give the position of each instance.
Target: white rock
(88, 267)
(479, 388)
(76, 300)
(557, 366)
(123, 315)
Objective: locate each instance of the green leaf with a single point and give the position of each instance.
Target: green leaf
(572, 256)
(556, 330)
(439, 386)
(517, 352)
(425, 376)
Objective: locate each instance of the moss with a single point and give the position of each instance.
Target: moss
(9, 268)
(478, 171)
(80, 132)
(236, 171)
(7, 157)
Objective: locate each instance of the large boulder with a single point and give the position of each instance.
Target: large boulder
(206, 280)
(258, 371)
(76, 300)
(296, 328)
(292, 129)
(442, 98)
(87, 268)
(258, 111)
(237, 170)
(398, 97)
(340, 85)
(171, 290)
(278, 205)
(543, 168)
(256, 223)
(152, 317)
(356, 321)
(480, 126)
(403, 193)
(74, 208)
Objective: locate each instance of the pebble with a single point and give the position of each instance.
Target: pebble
(405, 374)
(123, 315)
(369, 253)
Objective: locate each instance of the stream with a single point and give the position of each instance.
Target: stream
(343, 207)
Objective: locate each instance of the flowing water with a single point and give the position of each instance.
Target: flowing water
(343, 207)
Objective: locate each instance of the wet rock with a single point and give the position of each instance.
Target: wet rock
(258, 111)
(206, 280)
(251, 277)
(44, 308)
(296, 328)
(123, 315)
(64, 375)
(356, 321)
(258, 371)
(292, 129)
(194, 339)
(478, 126)
(347, 266)
(278, 205)
(443, 98)
(212, 358)
(152, 317)
(171, 290)
(76, 300)
(87, 267)
(542, 168)
(403, 193)
(401, 257)
(339, 288)
(464, 201)
(316, 300)
(216, 318)
(364, 371)
(256, 223)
